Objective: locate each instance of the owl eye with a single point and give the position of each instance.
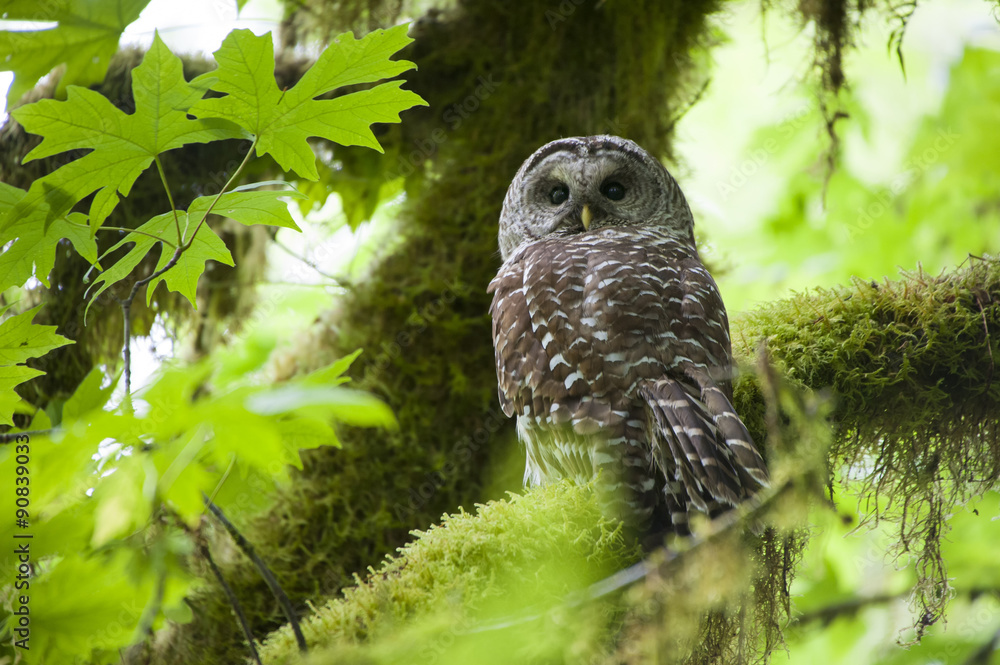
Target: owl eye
(559, 194)
(613, 190)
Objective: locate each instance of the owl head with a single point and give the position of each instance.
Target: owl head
(587, 183)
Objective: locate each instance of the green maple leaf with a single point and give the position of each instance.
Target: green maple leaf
(21, 339)
(183, 276)
(10, 377)
(30, 249)
(282, 122)
(347, 405)
(122, 145)
(86, 37)
(246, 207)
(262, 207)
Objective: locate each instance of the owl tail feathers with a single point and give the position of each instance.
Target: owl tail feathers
(701, 446)
(749, 463)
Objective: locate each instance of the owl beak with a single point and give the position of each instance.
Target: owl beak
(585, 217)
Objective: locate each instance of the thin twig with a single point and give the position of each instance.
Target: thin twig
(311, 264)
(203, 548)
(265, 572)
(225, 476)
(127, 315)
(688, 106)
(11, 437)
(182, 246)
(847, 607)
(272, 282)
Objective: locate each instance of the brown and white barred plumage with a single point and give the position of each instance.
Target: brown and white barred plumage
(612, 342)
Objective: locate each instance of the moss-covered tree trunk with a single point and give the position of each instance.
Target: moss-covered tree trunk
(501, 79)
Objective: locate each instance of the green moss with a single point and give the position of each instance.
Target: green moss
(513, 584)
(525, 553)
(912, 368)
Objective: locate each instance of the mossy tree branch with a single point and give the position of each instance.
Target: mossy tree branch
(910, 365)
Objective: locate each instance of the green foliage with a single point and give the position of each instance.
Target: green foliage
(85, 39)
(124, 145)
(251, 208)
(854, 606)
(121, 146)
(32, 244)
(192, 431)
(117, 491)
(283, 120)
(877, 213)
(20, 340)
(203, 246)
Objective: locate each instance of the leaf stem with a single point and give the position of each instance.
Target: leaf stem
(225, 188)
(122, 228)
(170, 198)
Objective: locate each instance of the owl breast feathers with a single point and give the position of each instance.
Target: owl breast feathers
(612, 343)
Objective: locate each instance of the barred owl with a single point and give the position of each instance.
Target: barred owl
(612, 342)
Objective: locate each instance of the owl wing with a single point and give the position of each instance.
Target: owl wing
(519, 354)
(548, 358)
(587, 329)
(550, 381)
(699, 442)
